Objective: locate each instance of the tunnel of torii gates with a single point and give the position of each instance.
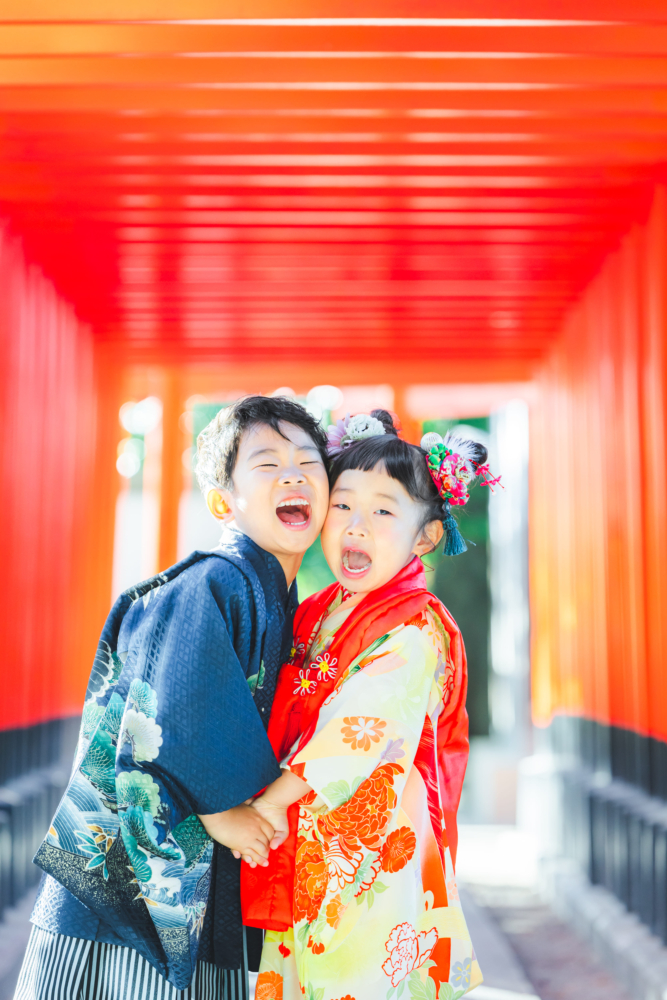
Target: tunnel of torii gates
(208, 197)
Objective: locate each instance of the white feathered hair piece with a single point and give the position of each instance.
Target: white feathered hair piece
(460, 446)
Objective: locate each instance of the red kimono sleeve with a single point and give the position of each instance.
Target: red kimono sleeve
(452, 736)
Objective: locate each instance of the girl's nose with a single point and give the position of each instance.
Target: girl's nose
(357, 527)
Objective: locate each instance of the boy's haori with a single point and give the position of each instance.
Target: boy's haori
(181, 689)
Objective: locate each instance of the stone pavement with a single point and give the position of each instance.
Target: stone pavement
(14, 934)
(556, 961)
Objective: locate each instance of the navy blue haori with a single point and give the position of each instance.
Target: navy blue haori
(174, 725)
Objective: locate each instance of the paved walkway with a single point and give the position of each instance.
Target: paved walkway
(14, 934)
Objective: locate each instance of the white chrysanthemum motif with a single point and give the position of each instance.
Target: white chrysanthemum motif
(144, 735)
(363, 426)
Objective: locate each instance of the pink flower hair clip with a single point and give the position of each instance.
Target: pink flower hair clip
(453, 464)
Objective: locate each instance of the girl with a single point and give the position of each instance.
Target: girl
(369, 720)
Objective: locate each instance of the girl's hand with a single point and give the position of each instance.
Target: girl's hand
(243, 831)
(275, 815)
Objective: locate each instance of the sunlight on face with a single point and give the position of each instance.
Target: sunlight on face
(280, 489)
(372, 529)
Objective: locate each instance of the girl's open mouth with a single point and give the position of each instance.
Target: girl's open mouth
(356, 563)
(295, 512)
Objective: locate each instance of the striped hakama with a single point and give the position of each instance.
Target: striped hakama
(57, 967)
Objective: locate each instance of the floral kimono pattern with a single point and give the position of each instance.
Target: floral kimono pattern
(376, 912)
(172, 727)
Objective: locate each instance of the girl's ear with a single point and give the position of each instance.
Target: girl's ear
(430, 538)
(217, 502)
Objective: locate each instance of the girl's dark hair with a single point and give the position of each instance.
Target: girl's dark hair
(404, 462)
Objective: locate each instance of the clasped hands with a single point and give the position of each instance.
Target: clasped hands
(259, 825)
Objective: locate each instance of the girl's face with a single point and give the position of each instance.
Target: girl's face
(372, 529)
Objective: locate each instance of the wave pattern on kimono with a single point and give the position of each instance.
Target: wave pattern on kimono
(376, 912)
(170, 729)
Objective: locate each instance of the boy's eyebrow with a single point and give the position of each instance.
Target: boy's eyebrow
(274, 451)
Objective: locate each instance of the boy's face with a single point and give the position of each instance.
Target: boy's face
(281, 491)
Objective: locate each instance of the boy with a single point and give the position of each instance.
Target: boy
(142, 858)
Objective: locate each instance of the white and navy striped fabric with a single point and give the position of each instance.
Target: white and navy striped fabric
(57, 967)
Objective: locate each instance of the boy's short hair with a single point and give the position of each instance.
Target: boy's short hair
(218, 443)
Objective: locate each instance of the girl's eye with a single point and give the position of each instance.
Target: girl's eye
(383, 512)
(341, 506)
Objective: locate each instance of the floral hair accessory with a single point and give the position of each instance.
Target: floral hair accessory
(452, 462)
(346, 432)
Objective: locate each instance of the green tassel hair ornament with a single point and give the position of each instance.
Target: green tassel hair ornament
(454, 463)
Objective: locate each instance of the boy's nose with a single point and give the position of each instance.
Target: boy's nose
(291, 477)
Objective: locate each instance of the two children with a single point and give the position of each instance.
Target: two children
(141, 898)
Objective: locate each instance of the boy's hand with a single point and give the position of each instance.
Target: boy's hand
(276, 816)
(244, 831)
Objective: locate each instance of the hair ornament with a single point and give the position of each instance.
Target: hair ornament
(452, 463)
(348, 431)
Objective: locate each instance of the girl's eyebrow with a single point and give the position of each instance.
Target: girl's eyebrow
(347, 489)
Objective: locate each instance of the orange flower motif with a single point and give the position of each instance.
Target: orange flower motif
(363, 819)
(419, 620)
(359, 731)
(397, 849)
(269, 986)
(310, 881)
(452, 889)
(335, 910)
(341, 865)
(284, 950)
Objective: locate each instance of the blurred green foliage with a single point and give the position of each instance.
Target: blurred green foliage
(202, 415)
(314, 574)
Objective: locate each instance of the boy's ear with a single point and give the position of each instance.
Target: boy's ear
(218, 505)
(430, 538)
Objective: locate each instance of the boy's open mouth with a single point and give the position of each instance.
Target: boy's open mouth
(356, 562)
(295, 512)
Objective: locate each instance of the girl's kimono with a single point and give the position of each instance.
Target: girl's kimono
(361, 903)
